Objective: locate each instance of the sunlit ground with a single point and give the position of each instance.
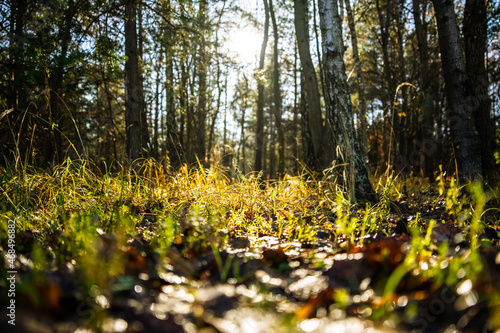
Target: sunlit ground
(196, 251)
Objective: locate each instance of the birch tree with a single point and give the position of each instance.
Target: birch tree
(340, 115)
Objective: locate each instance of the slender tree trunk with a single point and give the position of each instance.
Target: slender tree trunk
(224, 136)
(307, 145)
(242, 158)
(295, 144)
(400, 111)
(55, 153)
(312, 96)
(388, 87)
(173, 144)
(328, 149)
(259, 134)
(184, 106)
(340, 108)
(14, 58)
(227, 153)
(145, 138)
(421, 32)
(192, 134)
(115, 131)
(156, 121)
(464, 134)
(16, 99)
(211, 140)
(318, 52)
(218, 78)
(277, 94)
(272, 148)
(202, 109)
(17, 49)
(363, 139)
(133, 93)
(475, 32)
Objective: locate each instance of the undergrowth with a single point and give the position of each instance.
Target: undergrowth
(79, 218)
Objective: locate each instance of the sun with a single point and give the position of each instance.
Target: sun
(244, 43)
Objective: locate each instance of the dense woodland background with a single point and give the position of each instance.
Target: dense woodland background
(114, 81)
(250, 166)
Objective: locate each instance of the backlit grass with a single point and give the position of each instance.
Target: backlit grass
(76, 218)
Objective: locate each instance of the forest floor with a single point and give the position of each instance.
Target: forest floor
(197, 251)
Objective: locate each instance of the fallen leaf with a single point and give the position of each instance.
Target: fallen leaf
(275, 256)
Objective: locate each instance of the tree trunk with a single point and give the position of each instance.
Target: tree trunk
(463, 132)
(242, 157)
(277, 95)
(363, 140)
(312, 96)
(133, 93)
(202, 109)
(475, 32)
(184, 129)
(340, 108)
(428, 143)
(295, 123)
(227, 153)
(156, 120)
(173, 144)
(400, 113)
(318, 52)
(192, 135)
(259, 134)
(145, 138)
(55, 153)
(16, 99)
(215, 114)
(328, 149)
(272, 149)
(307, 148)
(388, 86)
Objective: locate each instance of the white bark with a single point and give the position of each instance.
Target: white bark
(340, 113)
